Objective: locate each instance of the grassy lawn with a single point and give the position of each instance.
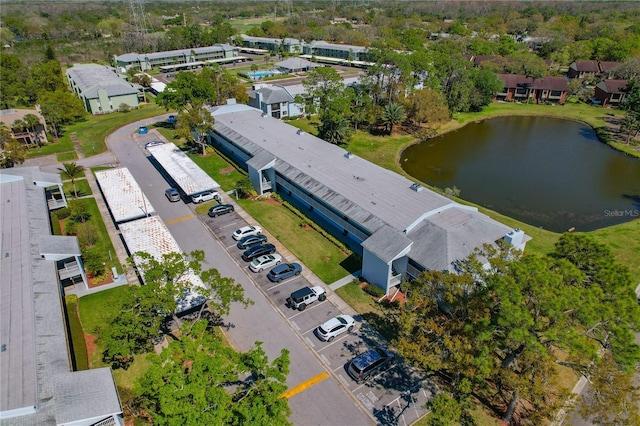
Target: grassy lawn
(77, 334)
(92, 132)
(67, 156)
(323, 257)
(96, 310)
(82, 186)
(62, 145)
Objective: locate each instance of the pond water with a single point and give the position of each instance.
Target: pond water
(550, 173)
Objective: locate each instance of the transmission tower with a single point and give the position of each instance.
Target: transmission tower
(136, 35)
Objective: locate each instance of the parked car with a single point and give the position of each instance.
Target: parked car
(299, 299)
(265, 262)
(257, 251)
(246, 230)
(284, 271)
(153, 143)
(251, 240)
(171, 119)
(205, 196)
(369, 363)
(172, 195)
(335, 327)
(143, 130)
(219, 209)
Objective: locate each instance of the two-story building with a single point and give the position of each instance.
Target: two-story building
(398, 227)
(521, 88)
(101, 89)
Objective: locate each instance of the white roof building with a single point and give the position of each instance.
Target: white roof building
(123, 194)
(184, 172)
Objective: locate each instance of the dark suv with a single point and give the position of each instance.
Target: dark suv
(257, 251)
(284, 271)
(251, 240)
(219, 209)
(367, 364)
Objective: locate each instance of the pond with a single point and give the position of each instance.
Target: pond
(547, 172)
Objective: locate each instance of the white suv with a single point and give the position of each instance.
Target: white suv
(205, 196)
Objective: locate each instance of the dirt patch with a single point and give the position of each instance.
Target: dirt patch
(227, 170)
(98, 281)
(271, 200)
(306, 226)
(326, 259)
(90, 342)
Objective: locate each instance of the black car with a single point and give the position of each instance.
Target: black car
(251, 240)
(219, 209)
(257, 251)
(369, 363)
(284, 271)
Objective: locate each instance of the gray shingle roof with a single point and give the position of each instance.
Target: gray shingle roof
(273, 94)
(31, 319)
(386, 243)
(72, 391)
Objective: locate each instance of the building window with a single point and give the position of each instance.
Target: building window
(310, 208)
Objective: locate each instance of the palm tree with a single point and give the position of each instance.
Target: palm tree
(71, 171)
(32, 122)
(393, 114)
(334, 128)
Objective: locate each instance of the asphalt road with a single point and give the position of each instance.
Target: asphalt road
(324, 403)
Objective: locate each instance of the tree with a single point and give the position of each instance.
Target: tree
(574, 88)
(145, 308)
(45, 77)
(427, 106)
(334, 128)
(630, 127)
(393, 114)
(612, 398)
(71, 171)
(201, 380)
(31, 122)
(12, 152)
(61, 108)
(323, 86)
(194, 123)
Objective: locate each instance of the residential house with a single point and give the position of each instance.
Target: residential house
(607, 68)
(610, 93)
(541, 90)
(274, 100)
(398, 227)
(29, 137)
(589, 70)
(101, 89)
(38, 384)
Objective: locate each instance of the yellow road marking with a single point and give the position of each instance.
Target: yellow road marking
(179, 219)
(305, 385)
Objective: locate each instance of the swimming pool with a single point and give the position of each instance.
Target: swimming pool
(260, 74)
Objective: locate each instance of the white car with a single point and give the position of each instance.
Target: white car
(246, 230)
(205, 196)
(335, 327)
(265, 262)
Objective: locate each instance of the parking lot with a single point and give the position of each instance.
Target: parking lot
(394, 396)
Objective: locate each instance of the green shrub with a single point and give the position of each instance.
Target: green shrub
(62, 213)
(87, 234)
(93, 262)
(373, 290)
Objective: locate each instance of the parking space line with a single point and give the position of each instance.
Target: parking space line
(302, 312)
(232, 245)
(293, 323)
(313, 345)
(311, 329)
(229, 225)
(281, 283)
(333, 342)
(305, 385)
(324, 358)
(179, 219)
